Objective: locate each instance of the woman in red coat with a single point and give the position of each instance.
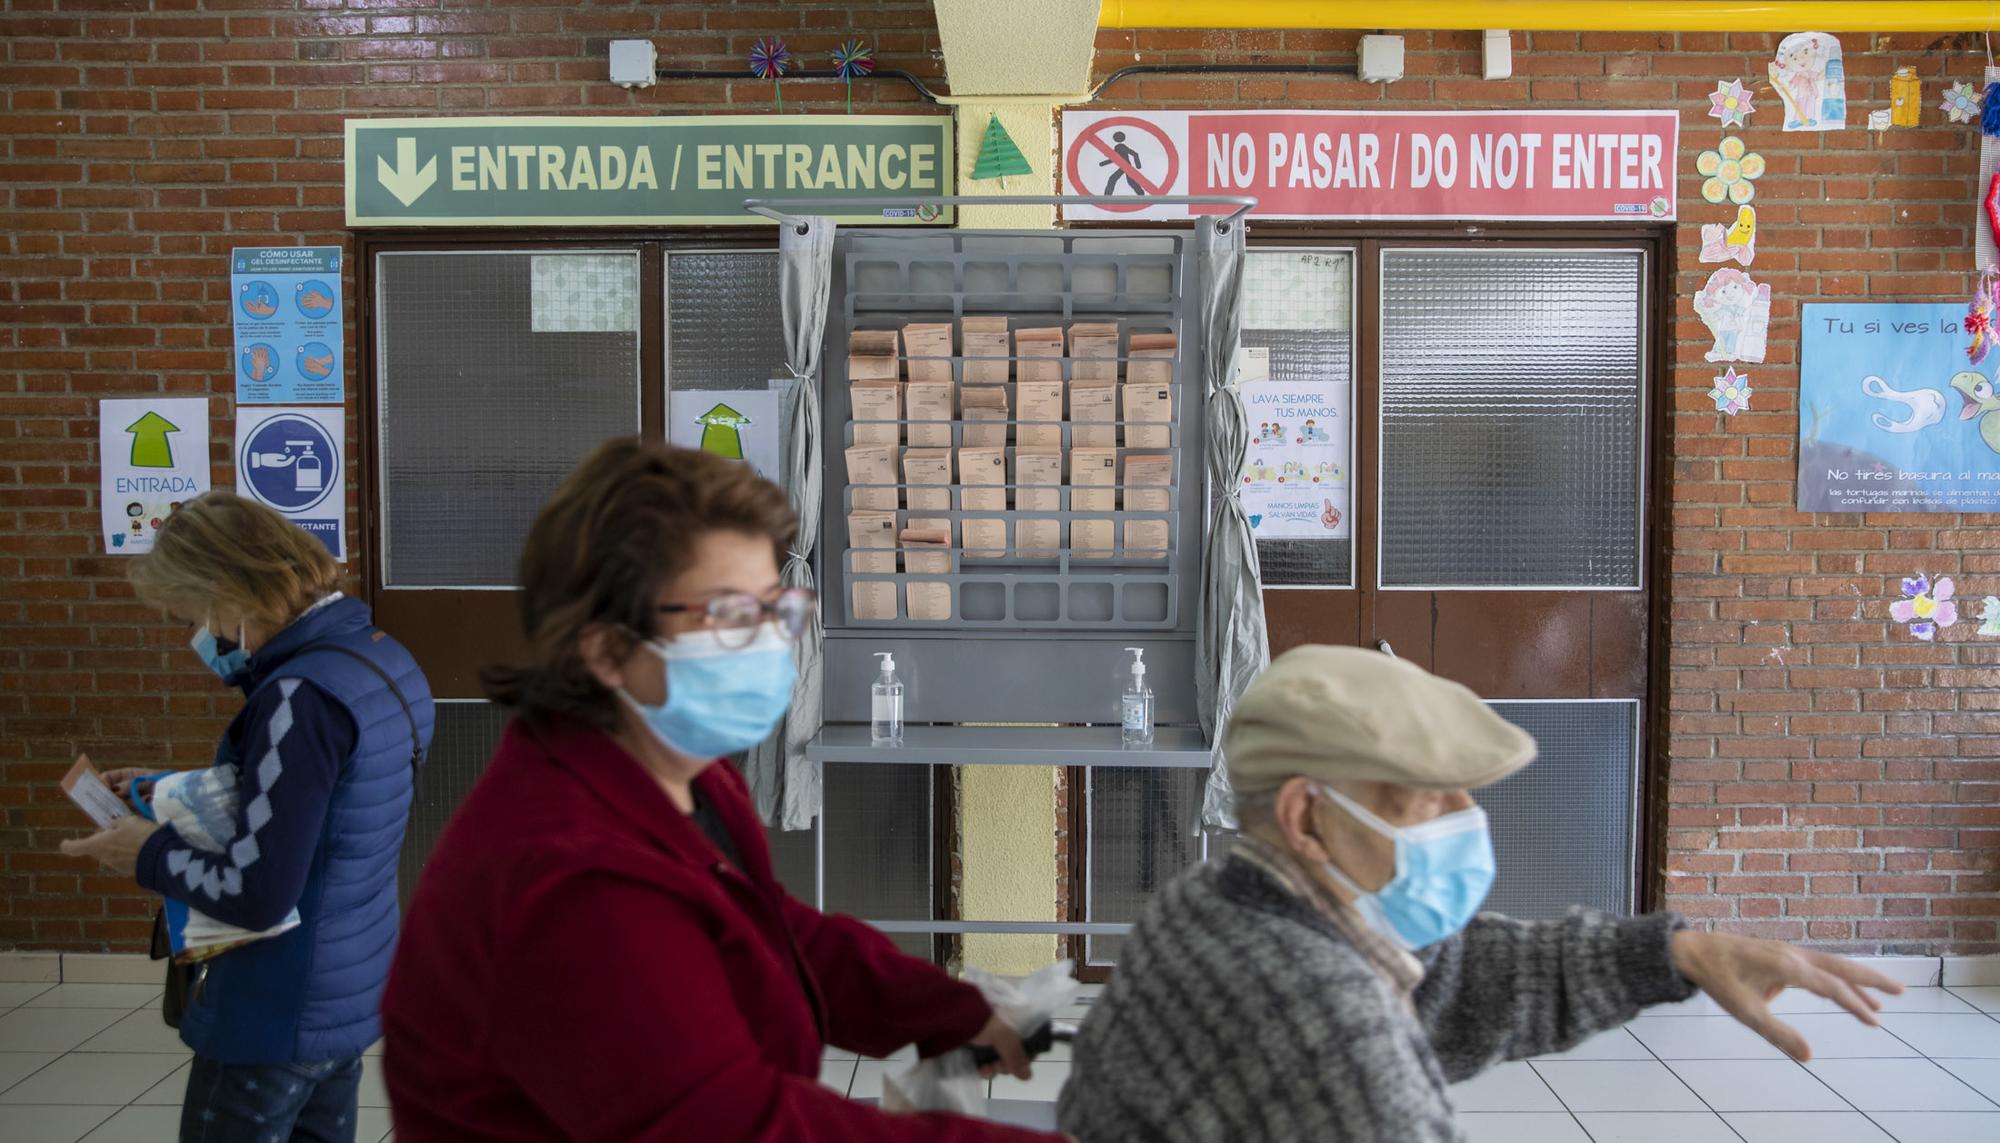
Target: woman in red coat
(598, 949)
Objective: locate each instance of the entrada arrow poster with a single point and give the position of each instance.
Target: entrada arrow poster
(152, 455)
(741, 424)
(286, 302)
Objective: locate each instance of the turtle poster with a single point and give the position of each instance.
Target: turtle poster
(1891, 416)
(741, 424)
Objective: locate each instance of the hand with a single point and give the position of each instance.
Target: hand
(1745, 975)
(117, 848)
(1330, 519)
(1002, 1039)
(121, 780)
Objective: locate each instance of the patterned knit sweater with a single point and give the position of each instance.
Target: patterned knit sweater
(1239, 1013)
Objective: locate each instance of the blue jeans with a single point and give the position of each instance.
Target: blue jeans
(271, 1103)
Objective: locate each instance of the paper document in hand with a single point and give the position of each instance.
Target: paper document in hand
(85, 786)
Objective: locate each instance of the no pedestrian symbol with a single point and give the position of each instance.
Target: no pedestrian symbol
(1122, 156)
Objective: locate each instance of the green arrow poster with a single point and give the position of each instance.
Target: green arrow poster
(741, 424)
(152, 455)
(652, 171)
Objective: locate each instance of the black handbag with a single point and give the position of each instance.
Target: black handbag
(184, 981)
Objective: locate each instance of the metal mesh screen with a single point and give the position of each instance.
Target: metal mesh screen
(496, 378)
(877, 819)
(723, 326)
(1299, 305)
(1564, 828)
(467, 734)
(1512, 417)
(1138, 841)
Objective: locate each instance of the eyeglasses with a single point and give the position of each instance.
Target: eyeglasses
(735, 616)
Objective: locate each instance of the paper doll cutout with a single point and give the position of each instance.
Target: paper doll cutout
(1811, 81)
(1737, 312)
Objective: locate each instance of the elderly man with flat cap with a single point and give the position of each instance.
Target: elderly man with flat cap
(1329, 978)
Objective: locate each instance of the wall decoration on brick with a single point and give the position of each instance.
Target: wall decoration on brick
(1730, 103)
(1732, 169)
(1811, 81)
(1989, 616)
(1925, 606)
(1736, 242)
(1960, 103)
(1737, 312)
(1731, 393)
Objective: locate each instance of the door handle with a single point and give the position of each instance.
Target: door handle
(1382, 645)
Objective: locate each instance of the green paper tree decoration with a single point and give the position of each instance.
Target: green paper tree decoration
(998, 156)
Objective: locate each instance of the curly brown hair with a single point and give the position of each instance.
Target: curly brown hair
(621, 526)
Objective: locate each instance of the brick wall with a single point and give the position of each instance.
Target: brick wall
(1831, 779)
(140, 142)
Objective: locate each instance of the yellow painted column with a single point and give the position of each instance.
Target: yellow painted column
(1032, 124)
(1008, 870)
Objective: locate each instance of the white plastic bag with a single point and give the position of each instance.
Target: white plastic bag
(951, 1082)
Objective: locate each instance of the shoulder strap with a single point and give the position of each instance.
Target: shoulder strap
(416, 743)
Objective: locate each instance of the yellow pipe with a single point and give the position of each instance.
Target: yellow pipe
(1560, 15)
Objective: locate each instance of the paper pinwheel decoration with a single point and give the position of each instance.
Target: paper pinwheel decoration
(770, 59)
(1960, 103)
(1731, 393)
(1732, 171)
(1927, 608)
(1730, 103)
(850, 60)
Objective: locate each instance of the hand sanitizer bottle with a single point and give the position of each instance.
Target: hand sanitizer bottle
(1135, 708)
(885, 707)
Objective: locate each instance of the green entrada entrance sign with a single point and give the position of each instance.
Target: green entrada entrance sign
(563, 171)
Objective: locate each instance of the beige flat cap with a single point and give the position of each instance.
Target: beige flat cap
(1348, 714)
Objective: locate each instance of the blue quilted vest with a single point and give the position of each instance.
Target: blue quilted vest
(315, 992)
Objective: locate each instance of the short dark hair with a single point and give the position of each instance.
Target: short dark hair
(621, 525)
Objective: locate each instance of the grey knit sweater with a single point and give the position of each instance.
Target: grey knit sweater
(1239, 1014)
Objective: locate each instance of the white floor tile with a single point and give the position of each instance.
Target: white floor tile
(1521, 1127)
(13, 995)
(837, 1074)
(1798, 1002)
(111, 1078)
(1897, 1085)
(833, 1053)
(1507, 1087)
(1686, 1127)
(1036, 1115)
(112, 968)
(1941, 1126)
(1983, 1075)
(1971, 970)
(1843, 1037)
(372, 1125)
(1985, 997)
(1046, 1084)
(1700, 1004)
(17, 1066)
(1924, 1000)
(1947, 1036)
(868, 1077)
(50, 1124)
(1617, 1044)
(169, 1092)
(1617, 1085)
(906, 1054)
(374, 1093)
(124, 997)
(1702, 1038)
(53, 1029)
(1798, 1126)
(138, 1125)
(141, 1031)
(1757, 1085)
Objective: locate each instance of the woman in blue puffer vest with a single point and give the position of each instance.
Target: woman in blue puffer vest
(324, 755)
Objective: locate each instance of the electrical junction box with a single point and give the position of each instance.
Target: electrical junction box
(1381, 58)
(1498, 54)
(633, 63)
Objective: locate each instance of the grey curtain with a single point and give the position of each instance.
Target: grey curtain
(786, 786)
(1230, 643)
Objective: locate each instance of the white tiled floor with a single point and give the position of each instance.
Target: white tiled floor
(91, 1063)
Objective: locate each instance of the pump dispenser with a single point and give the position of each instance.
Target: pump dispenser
(1135, 708)
(885, 706)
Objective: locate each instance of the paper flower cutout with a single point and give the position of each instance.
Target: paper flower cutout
(1736, 243)
(1960, 103)
(1989, 618)
(1730, 103)
(1927, 608)
(1732, 171)
(1731, 393)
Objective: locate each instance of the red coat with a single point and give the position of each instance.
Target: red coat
(581, 963)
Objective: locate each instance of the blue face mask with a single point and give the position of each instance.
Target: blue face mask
(226, 659)
(1444, 869)
(720, 701)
